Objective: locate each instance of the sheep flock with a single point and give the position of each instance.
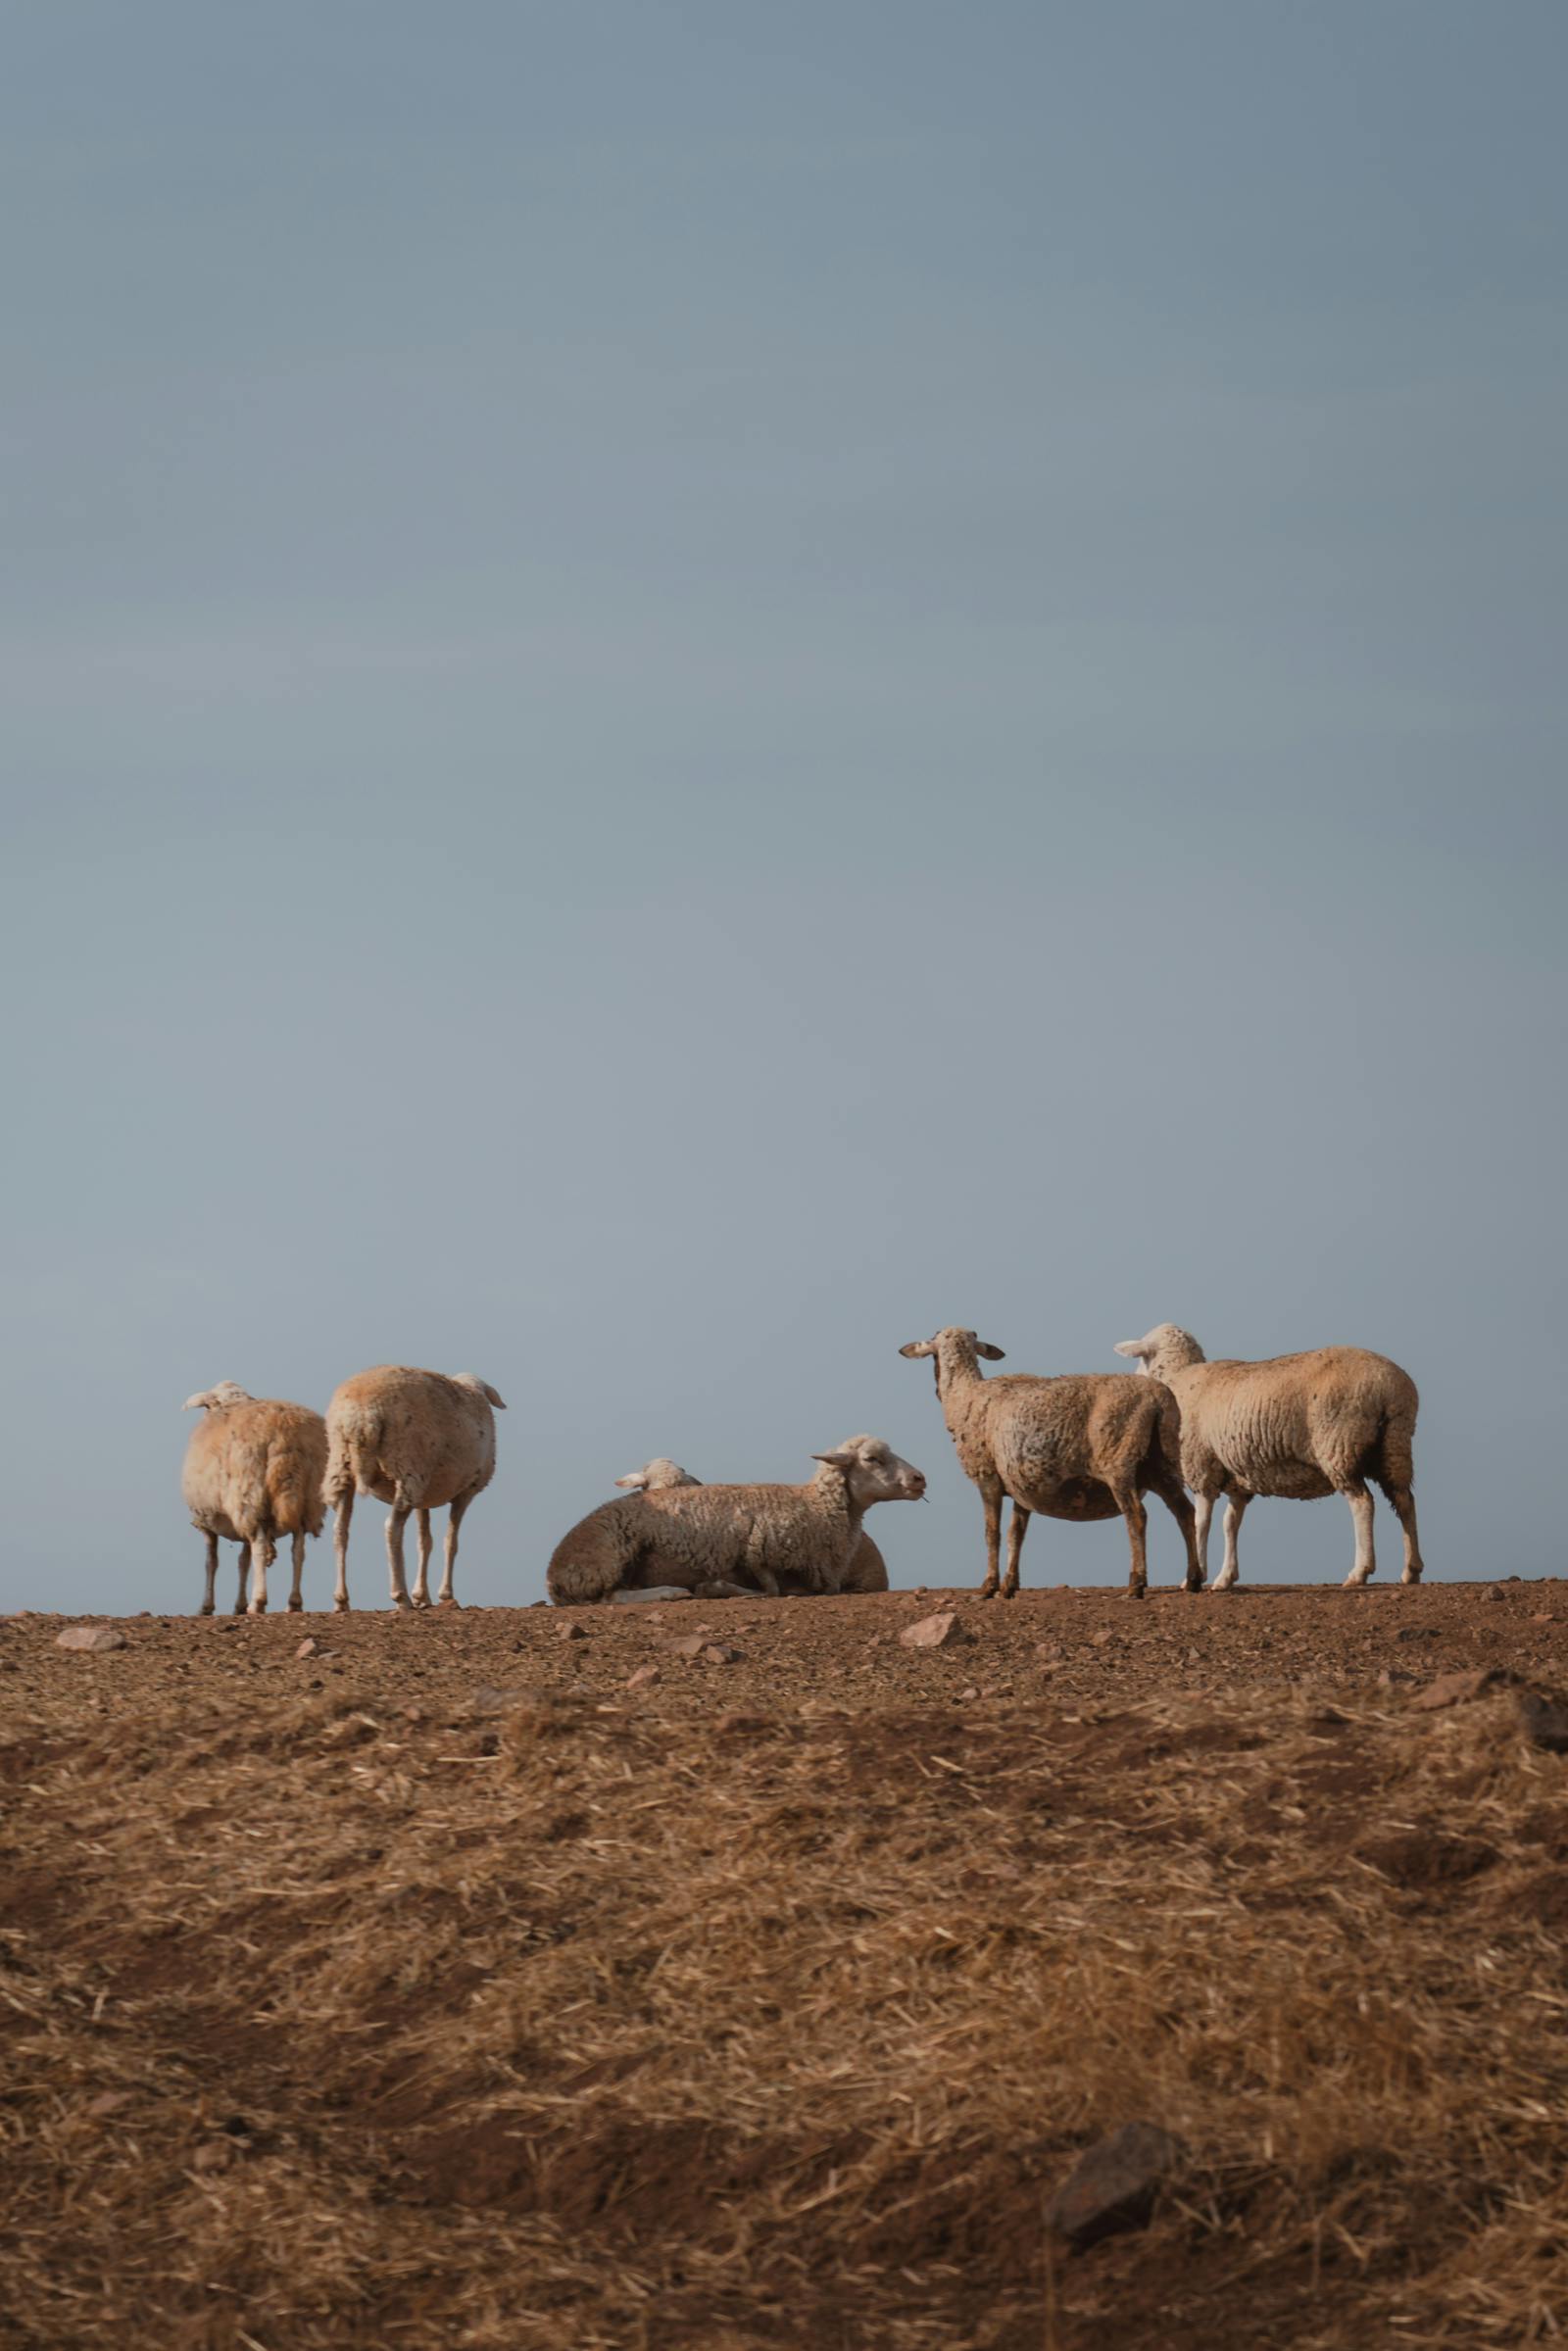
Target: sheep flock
(1074, 1447)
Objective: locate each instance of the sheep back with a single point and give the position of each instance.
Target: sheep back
(256, 1469)
(1054, 1444)
(398, 1433)
(1296, 1426)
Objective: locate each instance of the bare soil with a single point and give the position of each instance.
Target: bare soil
(442, 1989)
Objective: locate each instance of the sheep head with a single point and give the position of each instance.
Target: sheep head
(659, 1472)
(218, 1398)
(872, 1472)
(954, 1350)
(1167, 1347)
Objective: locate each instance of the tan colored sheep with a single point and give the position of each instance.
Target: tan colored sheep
(252, 1472)
(867, 1570)
(1079, 1446)
(747, 1537)
(1298, 1426)
(414, 1438)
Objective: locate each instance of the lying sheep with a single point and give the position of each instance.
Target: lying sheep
(1082, 1447)
(867, 1570)
(743, 1538)
(252, 1472)
(1298, 1426)
(414, 1438)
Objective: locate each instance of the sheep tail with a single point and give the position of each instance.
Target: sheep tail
(1394, 1462)
(295, 1502)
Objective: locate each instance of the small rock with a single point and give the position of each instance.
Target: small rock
(1416, 1633)
(1457, 1689)
(1103, 1637)
(1545, 1619)
(107, 2102)
(95, 1637)
(1113, 2186)
(690, 1644)
(717, 1652)
(1544, 1722)
(214, 2155)
(644, 1678)
(932, 1632)
(1494, 1592)
(309, 1647)
(489, 1699)
(964, 1696)
(567, 1630)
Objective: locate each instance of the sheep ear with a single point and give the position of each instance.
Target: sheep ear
(491, 1394)
(1131, 1347)
(635, 1479)
(836, 1460)
(992, 1354)
(917, 1347)
(197, 1403)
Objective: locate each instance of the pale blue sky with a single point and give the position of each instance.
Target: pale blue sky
(689, 687)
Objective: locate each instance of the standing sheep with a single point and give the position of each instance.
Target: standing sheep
(414, 1438)
(253, 1472)
(867, 1570)
(1081, 1447)
(1298, 1426)
(754, 1537)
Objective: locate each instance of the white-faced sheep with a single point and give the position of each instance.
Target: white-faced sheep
(1301, 1426)
(1078, 1447)
(252, 1472)
(867, 1570)
(414, 1438)
(747, 1538)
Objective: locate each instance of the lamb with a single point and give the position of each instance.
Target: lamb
(1081, 1447)
(1298, 1426)
(746, 1537)
(867, 1570)
(414, 1438)
(253, 1472)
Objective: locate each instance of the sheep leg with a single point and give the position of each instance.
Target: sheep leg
(342, 1512)
(421, 1540)
(296, 1598)
(1403, 1503)
(1017, 1529)
(266, 1553)
(1202, 1513)
(1230, 1573)
(1173, 1494)
(1357, 1494)
(1130, 1502)
(244, 1578)
(990, 1497)
(446, 1597)
(212, 1575)
(394, 1551)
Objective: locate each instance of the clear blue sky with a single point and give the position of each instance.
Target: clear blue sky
(688, 688)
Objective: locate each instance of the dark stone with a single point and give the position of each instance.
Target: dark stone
(1113, 2185)
(1544, 1722)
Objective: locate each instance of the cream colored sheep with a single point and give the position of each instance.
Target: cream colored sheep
(748, 1537)
(414, 1438)
(1298, 1426)
(253, 1472)
(867, 1570)
(1080, 1446)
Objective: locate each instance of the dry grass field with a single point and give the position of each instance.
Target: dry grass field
(444, 1991)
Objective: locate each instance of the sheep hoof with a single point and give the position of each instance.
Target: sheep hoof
(295, 1604)
(256, 1608)
(1138, 1591)
(206, 1608)
(340, 1607)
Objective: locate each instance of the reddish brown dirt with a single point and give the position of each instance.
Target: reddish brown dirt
(442, 1989)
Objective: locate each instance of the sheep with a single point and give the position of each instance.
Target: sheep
(1298, 1426)
(1081, 1447)
(744, 1537)
(867, 1570)
(253, 1472)
(414, 1438)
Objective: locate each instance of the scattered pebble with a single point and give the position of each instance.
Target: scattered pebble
(932, 1632)
(95, 1637)
(1113, 2186)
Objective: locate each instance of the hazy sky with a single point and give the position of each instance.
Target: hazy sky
(688, 688)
